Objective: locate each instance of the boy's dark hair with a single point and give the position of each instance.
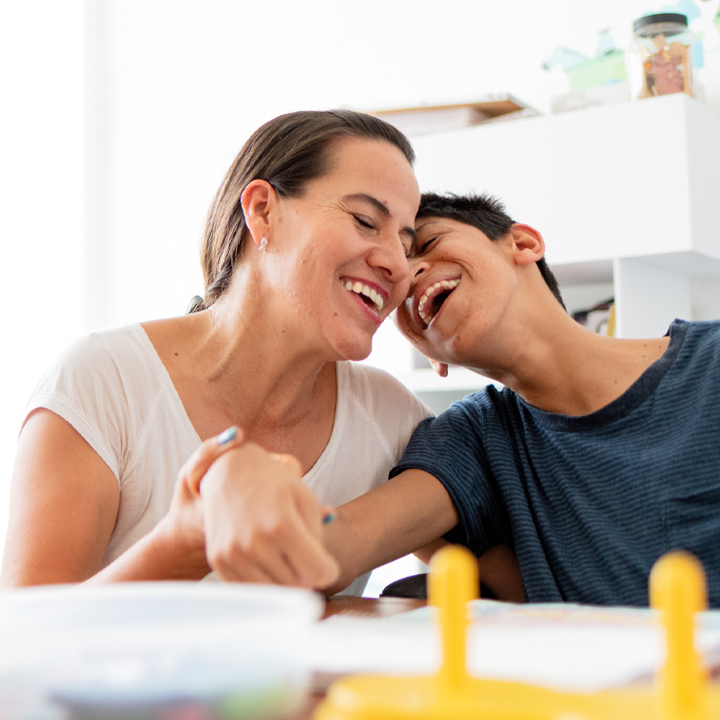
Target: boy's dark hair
(485, 213)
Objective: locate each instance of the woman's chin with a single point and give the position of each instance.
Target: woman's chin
(356, 351)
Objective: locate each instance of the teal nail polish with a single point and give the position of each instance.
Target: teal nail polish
(227, 436)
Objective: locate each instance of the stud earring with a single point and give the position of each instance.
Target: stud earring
(263, 244)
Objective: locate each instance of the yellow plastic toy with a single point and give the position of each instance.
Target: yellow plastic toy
(682, 692)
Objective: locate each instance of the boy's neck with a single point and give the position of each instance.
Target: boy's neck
(577, 372)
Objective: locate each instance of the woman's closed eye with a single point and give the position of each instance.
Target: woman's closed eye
(364, 222)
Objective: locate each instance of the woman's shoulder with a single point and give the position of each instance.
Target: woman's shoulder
(118, 358)
(379, 392)
(110, 343)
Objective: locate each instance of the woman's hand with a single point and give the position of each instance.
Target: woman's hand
(184, 523)
(261, 523)
(175, 548)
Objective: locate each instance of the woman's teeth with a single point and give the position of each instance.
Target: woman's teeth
(359, 289)
(426, 310)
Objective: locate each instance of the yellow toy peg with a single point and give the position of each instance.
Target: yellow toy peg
(677, 589)
(453, 584)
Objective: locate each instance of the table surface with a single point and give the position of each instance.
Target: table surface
(370, 607)
(355, 607)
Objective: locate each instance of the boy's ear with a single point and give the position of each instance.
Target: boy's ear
(258, 203)
(528, 245)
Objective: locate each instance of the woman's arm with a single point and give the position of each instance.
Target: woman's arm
(255, 521)
(64, 503)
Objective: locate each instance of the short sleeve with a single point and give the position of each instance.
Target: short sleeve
(394, 409)
(450, 447)
(90, 386)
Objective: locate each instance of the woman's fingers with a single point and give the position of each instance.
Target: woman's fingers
(184, 524)
(312, 565)
(246, 572)
(253, 555)
(287, 557)
(193, 471)
(288, 461)
(261, 520)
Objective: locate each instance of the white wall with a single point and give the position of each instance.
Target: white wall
(42, 200)
(119, 117)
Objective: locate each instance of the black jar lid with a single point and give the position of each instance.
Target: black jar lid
(677, 18)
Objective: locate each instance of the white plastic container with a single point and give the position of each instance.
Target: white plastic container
(236, 650)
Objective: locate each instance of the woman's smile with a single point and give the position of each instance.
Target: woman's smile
(372, 296)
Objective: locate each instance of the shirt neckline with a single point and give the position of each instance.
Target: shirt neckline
(632, 398)
(340, 380)
(162, 370)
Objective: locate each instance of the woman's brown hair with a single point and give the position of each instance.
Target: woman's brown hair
(287, 152)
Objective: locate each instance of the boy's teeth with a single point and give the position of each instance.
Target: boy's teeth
(430, 293)
(359, 289)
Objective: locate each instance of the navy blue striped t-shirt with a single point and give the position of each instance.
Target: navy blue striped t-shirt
(589, 503)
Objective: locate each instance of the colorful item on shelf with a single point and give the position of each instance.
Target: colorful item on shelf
(662, 43)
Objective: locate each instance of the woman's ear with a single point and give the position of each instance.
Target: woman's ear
(259, 201)
(528, 245)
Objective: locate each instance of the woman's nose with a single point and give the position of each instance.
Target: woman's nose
(390, 257)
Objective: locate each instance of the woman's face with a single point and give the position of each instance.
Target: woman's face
(338, 253)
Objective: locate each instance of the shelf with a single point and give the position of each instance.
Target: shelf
(624, 193)
(625, 196)
(626, 180)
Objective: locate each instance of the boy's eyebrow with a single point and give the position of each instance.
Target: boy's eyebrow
(422, 224)
(424, 221)
(382, 208)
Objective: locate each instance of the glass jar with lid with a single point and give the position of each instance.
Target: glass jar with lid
(662, 56)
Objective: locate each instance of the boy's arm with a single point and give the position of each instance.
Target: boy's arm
(399, 517)
(409, 513)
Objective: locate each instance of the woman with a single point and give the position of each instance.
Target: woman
(304, 256)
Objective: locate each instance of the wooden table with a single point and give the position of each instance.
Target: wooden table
(354, 607)
(370, 607)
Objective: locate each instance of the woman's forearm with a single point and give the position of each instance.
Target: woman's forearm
(159, 555)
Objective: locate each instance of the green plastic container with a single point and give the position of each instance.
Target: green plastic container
(598, 72)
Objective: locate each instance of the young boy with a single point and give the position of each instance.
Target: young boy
(598, 456)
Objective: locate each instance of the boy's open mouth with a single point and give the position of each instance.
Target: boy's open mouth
(433, 298)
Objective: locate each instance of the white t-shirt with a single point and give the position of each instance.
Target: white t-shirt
(114, 390)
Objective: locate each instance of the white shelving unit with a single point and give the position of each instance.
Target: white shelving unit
(626, 196)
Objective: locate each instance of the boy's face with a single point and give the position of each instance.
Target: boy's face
(461, 284)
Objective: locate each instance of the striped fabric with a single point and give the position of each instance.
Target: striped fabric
(589, 503)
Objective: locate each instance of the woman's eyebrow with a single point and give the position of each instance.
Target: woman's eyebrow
(364, 197)
(382, 208)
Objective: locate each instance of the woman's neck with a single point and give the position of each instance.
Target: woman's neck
(241, 367)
